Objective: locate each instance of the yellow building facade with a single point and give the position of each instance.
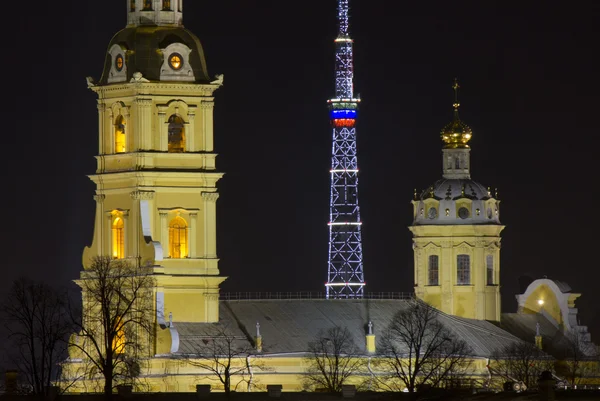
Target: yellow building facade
(156, 171)
(456, 235)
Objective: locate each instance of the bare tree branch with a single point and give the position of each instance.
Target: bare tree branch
(334, 357)
(116, 324)
(417, 349)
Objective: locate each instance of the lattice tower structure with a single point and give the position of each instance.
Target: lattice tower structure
(345, 277)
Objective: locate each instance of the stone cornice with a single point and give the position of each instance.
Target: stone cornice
(151, 88)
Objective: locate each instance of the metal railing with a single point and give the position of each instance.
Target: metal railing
(308, 295)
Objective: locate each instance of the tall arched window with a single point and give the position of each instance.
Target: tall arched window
(463, 270)
(119, 337)
(434, 270)
(147, 5)
(489, 261)
(178, 238)
(118, 238)
(120, 137)
(132, 5)
(176, 134)
(166, 5)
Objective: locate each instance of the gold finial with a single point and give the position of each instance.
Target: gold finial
(456, 134)
(489, 191)
(496, 194)
(463, 191)
(432, 192)
(415, 194)
(456, 86)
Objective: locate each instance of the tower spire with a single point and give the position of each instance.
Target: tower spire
(345, 278)
(456, 104)
(343, 18)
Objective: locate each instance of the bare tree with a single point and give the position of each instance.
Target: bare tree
(577, 361)
(417, 349)
(521, 362)
(334, 358)
(116, 324)
(226, 356)
(35, 317)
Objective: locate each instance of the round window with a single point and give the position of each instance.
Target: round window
(176, 61)
(463, 213)
(432, 213)
(119, 63)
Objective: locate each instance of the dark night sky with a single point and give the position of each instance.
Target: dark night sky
(530, 91)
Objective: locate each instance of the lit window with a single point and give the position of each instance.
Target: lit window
(434, 270)
(118, 238)
(147, 5)
(132, 5)
(463, 270)
(119, 337)
(120, 137)
(176, 61)
(178, 238)
(489, 261)
(176, 134)
(166, 5)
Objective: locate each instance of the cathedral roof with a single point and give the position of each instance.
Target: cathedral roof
(452, 189)
(287, 326)
(143, 48)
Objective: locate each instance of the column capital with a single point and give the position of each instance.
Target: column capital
(142, 195)
(207, 105)
(99, 198)
(143, 102)
(101, 107)
(210, 196)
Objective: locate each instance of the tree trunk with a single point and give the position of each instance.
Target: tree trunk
(108, 383)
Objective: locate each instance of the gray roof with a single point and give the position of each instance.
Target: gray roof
(287, 326)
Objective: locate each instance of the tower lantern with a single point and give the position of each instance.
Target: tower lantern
(155, 12)
(456, 234)
(345, 277)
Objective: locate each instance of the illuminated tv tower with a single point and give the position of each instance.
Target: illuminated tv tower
(345, 277)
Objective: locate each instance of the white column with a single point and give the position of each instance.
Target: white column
(193, 234)
(210, 224)
(164, 234)
(99, 234)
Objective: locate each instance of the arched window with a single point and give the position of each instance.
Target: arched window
(119, 337)
(166, 5)
(433, 270)
(118, 238)
(147, 5)
(132, 5)
(457, 163)
(176, 134)
(178, 238)
(120, 137)
(463, 270)
(489, 262)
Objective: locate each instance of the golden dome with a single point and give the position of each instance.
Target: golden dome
(456, 134)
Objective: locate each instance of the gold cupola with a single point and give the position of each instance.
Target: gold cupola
(457, 134)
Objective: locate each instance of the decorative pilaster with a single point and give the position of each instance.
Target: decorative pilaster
(163, 140)
(101, 127)
(191, 136)
(193, 233)
(207, 129)
(126, 232)
(108, 235)
(210, 224)
(164, 233)
(144, 124)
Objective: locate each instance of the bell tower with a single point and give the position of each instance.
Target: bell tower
(456, 234)
(156, 170)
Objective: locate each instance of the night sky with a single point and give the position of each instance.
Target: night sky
(529, 90)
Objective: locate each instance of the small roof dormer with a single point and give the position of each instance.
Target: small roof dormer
(154, 13)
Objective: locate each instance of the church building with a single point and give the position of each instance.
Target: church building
(156, 207)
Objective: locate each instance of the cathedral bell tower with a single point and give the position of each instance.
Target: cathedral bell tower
(456, 234)
(156, 176)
